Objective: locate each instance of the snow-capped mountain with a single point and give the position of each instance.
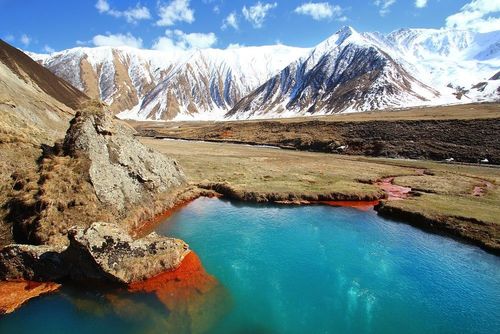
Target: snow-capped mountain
(210, 82)
(354, 71)
(444, 58)
(149, 84)
(348, 72)
(118, 76)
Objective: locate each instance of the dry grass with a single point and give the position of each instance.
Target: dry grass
(66, 198)
(17, 164)
(265, 170)
(447, 188)
(16, 130)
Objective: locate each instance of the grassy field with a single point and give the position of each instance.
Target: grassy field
(260, 169)
(445, 192)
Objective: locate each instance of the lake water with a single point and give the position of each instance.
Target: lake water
(311, 269)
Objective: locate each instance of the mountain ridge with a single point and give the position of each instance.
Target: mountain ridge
(208, 84)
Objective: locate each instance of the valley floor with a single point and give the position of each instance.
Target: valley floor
(467, 133)
(457, 200)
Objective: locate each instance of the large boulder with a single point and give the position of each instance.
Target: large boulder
(122, 170)
(102, 252)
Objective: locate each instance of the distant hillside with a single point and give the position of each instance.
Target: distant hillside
(35, 104)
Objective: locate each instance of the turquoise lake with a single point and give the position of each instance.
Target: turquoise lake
(310, 269)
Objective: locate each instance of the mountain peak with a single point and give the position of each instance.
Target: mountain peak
(346, 31)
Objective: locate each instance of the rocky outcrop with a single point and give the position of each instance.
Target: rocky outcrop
(101, 172)
(32, 263)
(104, 252)
(101, 253)
(122, 170)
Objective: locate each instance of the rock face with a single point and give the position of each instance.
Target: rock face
(101, 253)
(122, 170)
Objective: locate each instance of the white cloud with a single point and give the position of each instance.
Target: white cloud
(175, 11)
(479, 15)
(117, 40)
(177, 40)
(257, 13)
(132, 15)
(319, 10)
(230, 21)
(48, 49)
(25, 39)
(420, 3)
(384, 6)
(102, 6)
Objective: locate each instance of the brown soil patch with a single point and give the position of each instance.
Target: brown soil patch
(394, 192)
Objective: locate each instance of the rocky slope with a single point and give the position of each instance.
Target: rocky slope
(35, 109)
(159, 85)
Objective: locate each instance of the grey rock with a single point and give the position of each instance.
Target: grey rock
(34, 263)
(122, 170)
(102, 252)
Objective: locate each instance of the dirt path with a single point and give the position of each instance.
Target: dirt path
(482, 189)
(394, 192)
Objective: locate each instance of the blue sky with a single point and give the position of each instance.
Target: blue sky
(47, 25)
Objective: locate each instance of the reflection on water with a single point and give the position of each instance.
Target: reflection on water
(194, 299)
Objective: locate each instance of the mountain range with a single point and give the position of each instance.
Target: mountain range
(348, 72)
